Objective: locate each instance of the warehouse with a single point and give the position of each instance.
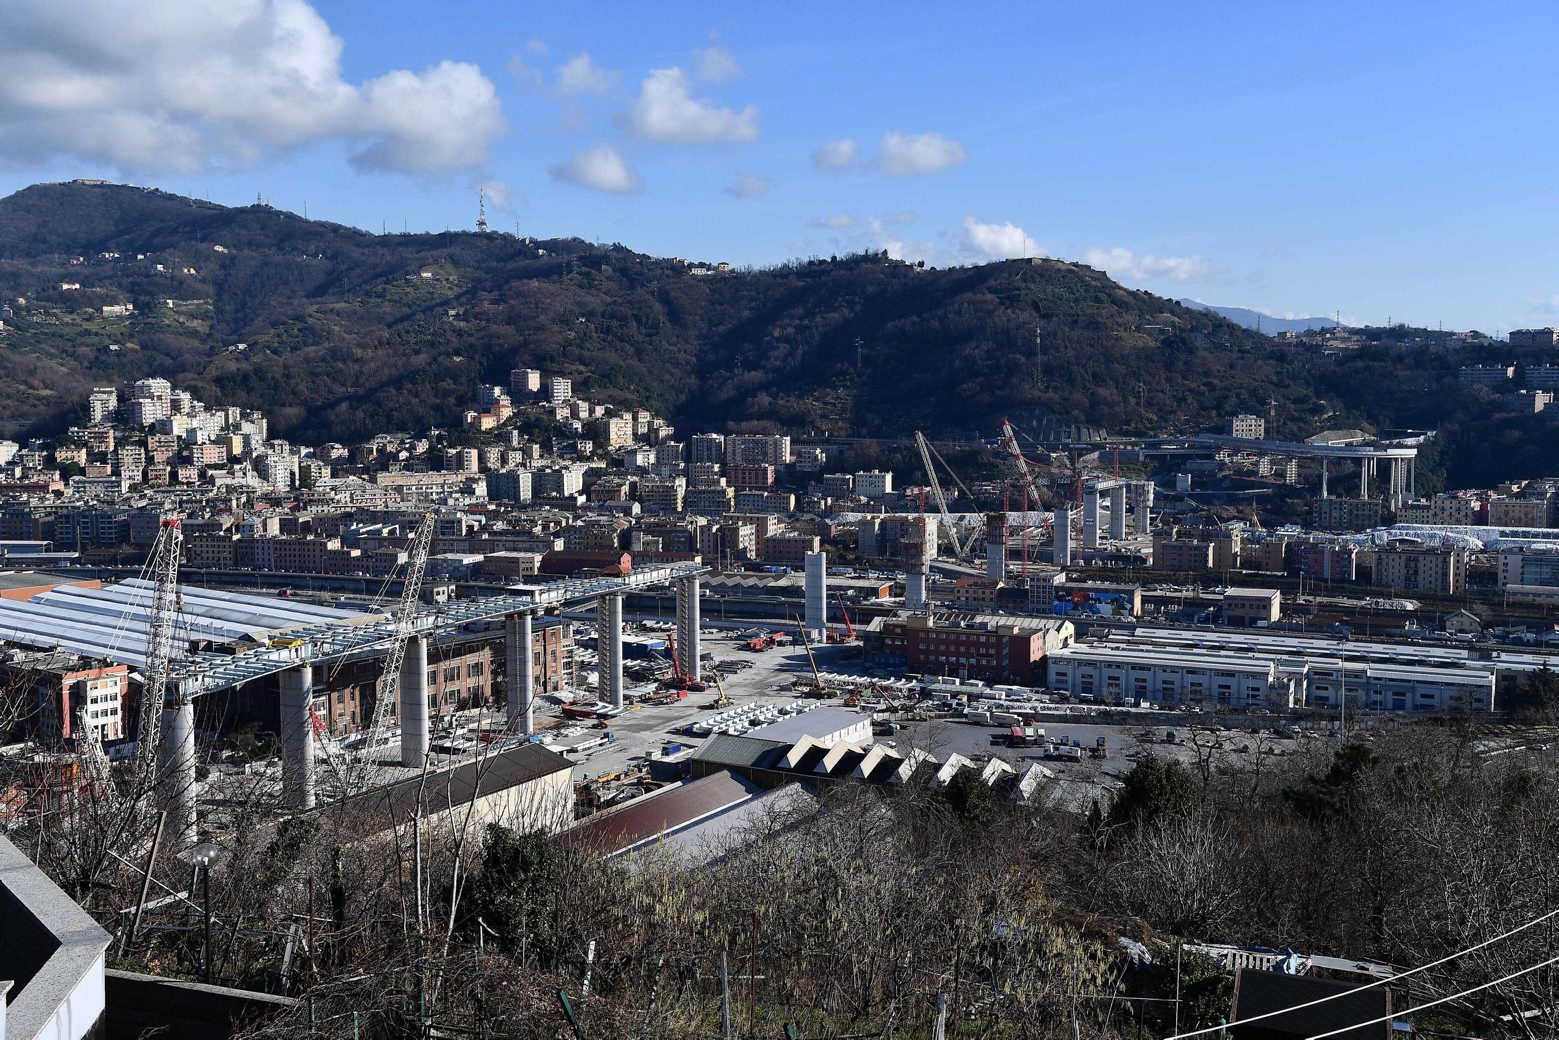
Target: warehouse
(1115, 674)
(1119, 671)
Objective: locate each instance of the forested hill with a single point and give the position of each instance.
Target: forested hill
(347, 332)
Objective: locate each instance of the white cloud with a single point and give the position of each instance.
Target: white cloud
(907, 216)
(836, 155)
(600, 168)
(749, 186)
(185, 85)
(667, 111)
(527, 76)
(903, 154)
(836, 221)
(996, 241)
(580, 75)
(1123, 263)
(499, 195)
(717, 65)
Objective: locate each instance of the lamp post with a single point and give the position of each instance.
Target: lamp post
(205, 856)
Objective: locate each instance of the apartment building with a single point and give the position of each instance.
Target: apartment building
(758, 449)
(1402, 568)
(1546, 337)
(1519, 512)
(873, 483)
(1529, 566)
(1486, 375)
(1250, 427)
(1347, 514)
(1442, 510)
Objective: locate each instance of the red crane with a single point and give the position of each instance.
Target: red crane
(849, 629)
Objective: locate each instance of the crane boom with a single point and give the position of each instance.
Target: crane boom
(405, 620)
(960, 549)
(163, 570)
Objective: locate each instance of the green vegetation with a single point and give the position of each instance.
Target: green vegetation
(345, 337)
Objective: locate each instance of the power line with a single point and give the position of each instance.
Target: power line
(1433, 1003)
(1372, 985)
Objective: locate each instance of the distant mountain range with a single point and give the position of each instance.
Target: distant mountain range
(345, 333)
(1263, 322)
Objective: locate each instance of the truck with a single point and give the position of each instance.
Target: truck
(1064, 753)
(978, 716)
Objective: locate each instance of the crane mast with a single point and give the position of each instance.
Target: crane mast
(163, 570)
(405, 620)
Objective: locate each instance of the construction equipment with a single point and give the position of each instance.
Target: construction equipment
(817, 679)
(724, 699)
(849, 628)
(680, 680)
(163, 570)
(962, 547)
(405, 617)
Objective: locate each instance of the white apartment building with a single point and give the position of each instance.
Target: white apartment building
(873, 483)
(103, 404)
(560, 389)
(1250, 427)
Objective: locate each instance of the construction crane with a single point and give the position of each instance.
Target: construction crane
(405, 618)
(817, 679)
(163, 570)
(962, 548)
(680, 680)
(849, 629)
(94, 764)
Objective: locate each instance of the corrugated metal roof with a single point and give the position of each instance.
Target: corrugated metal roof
(453, 788)
(112, 622)
(667, 810)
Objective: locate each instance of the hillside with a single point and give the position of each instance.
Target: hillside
(347, 332)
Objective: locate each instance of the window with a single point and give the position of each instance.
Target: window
(474, 670)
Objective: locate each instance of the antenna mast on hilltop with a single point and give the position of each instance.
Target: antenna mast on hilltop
(481, 209)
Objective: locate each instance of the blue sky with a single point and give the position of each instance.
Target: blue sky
(1381, 160)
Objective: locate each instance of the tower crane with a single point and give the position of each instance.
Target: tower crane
(405, 621)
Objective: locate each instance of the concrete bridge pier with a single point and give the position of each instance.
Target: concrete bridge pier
(609, 648)
(297, 738)
(689, 645)
(1118, 512)
(176, 769)
(414, 704)
(522, 673)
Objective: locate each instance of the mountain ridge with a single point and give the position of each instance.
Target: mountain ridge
(346, 332)
(1260, 321)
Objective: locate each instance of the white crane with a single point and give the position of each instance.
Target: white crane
(389, 686)
(961, 548)
(163, 570)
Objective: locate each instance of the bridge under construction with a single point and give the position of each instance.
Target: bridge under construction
(190, 642)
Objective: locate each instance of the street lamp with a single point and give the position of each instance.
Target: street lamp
(205, 856)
